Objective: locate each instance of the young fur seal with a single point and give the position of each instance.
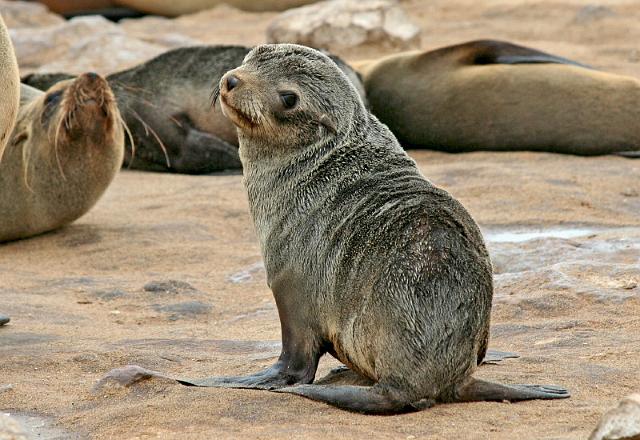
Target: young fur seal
(65, 150)
(10, 95)
(166, 104)
(494, 95)
(367, 260)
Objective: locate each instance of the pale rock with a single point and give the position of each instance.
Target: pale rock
(10, 428)
(340, 24)
(620, 423)
(82, 44)
(188, 30)
(17, 14)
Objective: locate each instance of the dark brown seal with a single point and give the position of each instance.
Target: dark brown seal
(66, 148)
(494, 95)
(166, 104)
(367, 260)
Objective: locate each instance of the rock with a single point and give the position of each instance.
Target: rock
(109, 295)
(82, 44)
(229, 28)
(340, 24)
(187, 309)
(591, 13)
(10, 428)
(126, 377)
(17, 14)
(247, 274)
(168, 286)
(173, 8)
(4, 319)
(621, 423)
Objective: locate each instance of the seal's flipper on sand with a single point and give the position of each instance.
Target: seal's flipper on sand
(362, 399)
(385, 400)
(482, 391)
(495, 356)
(269, 379)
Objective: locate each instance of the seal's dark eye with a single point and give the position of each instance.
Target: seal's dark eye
(53, 98)
(289, 99)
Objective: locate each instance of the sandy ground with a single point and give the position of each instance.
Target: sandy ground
(165, 273)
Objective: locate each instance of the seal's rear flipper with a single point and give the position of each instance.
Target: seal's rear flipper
(502, 52)
(362, 399)
(629, 154)
(480, 391)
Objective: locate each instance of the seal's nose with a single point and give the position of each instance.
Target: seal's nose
(232, 82)
(92, 75)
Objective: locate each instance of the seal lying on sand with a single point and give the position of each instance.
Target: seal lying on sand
(166, 104)
(367, 260)
(65, 150)
(493, 95)
(10, 96)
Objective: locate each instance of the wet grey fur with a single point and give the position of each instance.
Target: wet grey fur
(367, 260)
(166, 103)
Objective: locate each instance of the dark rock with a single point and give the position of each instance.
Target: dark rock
(187, 309)
(126, 377)
(168, 286)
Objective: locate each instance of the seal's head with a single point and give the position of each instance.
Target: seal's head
(74, 119)
(287, 97)
(76, 128)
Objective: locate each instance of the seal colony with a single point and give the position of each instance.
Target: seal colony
(494, 95)
(65, 150)
(166, 104)
(367, 260)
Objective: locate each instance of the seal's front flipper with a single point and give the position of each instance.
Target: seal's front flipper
(261, 381)
(203, 152)
(495, 356)
(291, 369)
(480, 391)
(502, 52)
(368, 400)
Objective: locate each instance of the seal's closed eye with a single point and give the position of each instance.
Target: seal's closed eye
(53, 98)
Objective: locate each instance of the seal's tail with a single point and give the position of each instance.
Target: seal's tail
(480, 390)
(362, 399)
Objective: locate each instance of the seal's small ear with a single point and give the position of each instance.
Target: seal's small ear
(327, 123)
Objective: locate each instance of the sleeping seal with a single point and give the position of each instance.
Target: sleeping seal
(166, 104)
(494, 95)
